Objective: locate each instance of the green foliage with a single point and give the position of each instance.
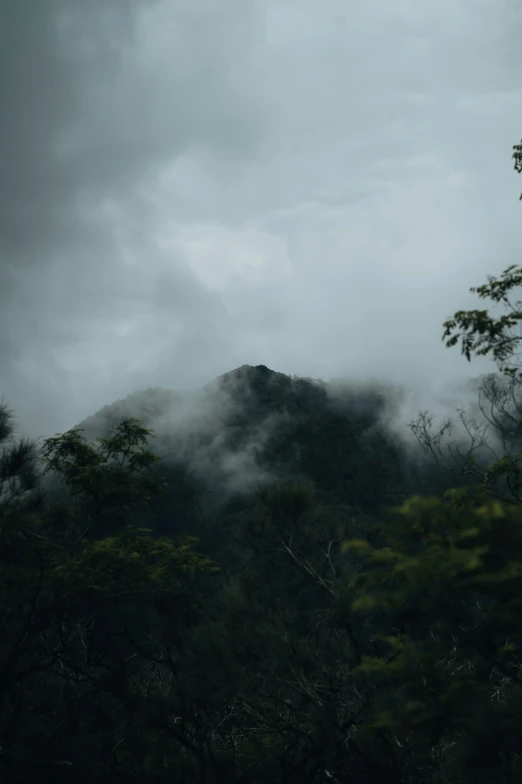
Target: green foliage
(517, 157)
(19, 475)
(481, 333)
(450, 582)
(77, 611)
(114, 476)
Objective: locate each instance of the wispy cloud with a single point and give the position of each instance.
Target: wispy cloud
(191, 185)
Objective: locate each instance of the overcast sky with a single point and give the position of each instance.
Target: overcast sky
(191, 185)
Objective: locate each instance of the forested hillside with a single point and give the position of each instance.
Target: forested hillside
(254, 427)
(278, 588)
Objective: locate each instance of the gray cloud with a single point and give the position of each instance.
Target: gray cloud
(190, 186)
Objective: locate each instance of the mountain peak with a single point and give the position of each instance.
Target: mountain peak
(245, 371)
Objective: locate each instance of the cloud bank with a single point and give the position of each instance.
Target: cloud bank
(188, 186)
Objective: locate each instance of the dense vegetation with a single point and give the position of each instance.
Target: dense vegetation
(282, 593)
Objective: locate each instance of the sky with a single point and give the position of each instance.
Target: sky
(188, 186)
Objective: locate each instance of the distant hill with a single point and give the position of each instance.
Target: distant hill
(254, 426)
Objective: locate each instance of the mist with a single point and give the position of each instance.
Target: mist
(188, 187)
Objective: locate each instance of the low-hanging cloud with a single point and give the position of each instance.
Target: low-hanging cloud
(190, 186)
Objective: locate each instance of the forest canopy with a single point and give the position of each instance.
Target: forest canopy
(347, 613)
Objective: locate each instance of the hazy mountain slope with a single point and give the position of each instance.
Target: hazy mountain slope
(253, 425)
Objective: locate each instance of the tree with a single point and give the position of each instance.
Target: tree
(280, 694)
(517, 157)
(449, 582)
(482, 334)
(80, 588)
(446, 583)
(489, 463)
(19, 474)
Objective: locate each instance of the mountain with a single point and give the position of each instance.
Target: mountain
(254, 426)
(148, 641)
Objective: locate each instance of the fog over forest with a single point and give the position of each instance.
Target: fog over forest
(260, 392)
(189, 187)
